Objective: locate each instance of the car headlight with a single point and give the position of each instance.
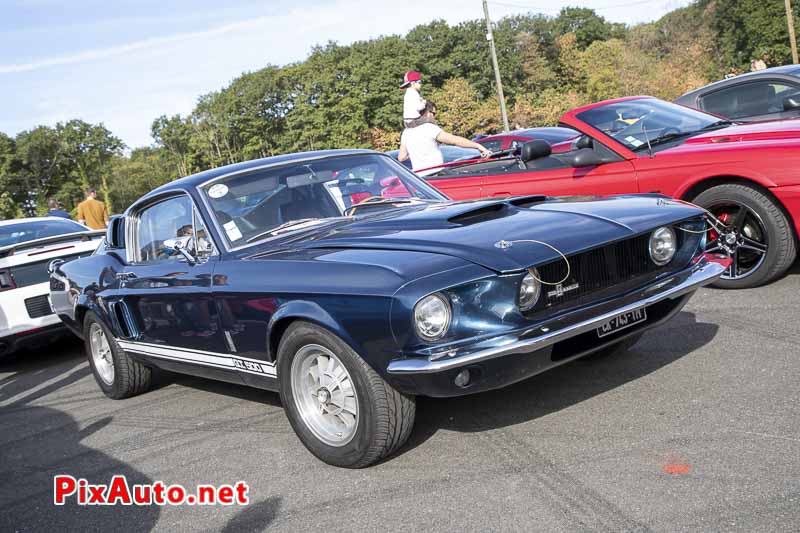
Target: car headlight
(529, 290)
(432, 317)
(663, 245)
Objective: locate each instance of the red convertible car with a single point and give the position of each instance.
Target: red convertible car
(748, 176)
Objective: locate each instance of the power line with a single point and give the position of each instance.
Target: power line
(552, 9)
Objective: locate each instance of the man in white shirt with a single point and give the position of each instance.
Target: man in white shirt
(421, 143)
(413, 103)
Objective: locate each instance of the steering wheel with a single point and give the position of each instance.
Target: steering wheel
(669, 130)
(369, 199)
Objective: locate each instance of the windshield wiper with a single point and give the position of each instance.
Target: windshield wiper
(724, 123)
(385, 201)
(716, 125)
(283, 227)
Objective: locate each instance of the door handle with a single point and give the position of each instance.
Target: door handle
(501, 194)
(125, 276)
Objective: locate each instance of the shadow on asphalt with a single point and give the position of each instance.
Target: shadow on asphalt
(254, 517)
(29, 369)
(242, 392)
(561, 387)
(47, 442)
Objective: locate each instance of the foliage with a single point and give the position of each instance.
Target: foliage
(349, 96)
(748, 30)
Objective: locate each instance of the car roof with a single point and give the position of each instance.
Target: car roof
(785, 71)
(198, 179)
(34, 219)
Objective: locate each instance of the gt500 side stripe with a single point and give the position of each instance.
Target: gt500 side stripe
(218, 360)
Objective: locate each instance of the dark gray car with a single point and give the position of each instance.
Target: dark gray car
(771, 94)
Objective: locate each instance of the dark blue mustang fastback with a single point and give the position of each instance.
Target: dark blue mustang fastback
(346, 283)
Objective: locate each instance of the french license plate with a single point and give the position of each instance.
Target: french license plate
(625, 320)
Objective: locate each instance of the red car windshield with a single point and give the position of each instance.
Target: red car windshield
(635, 122)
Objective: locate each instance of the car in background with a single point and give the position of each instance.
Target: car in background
(352, 309)
(450, 154)
(26, 248)
(513, 139)
(747, 175)
(770, 94)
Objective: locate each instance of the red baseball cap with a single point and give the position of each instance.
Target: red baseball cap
(410, 77)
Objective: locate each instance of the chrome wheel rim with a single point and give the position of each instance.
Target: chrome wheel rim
(324, 395)
(102, 355)
(750, 235)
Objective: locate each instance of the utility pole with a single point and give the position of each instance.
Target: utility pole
(789, 21)
(490, 38)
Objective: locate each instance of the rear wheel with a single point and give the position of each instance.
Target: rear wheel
(340, 408)
(118, 375)
(762, 235)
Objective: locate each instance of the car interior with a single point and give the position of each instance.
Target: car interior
(256, 203)
(537, 155)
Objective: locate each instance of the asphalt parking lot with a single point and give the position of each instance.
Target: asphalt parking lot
(697, 428)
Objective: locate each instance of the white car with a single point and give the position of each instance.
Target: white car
(27, 245)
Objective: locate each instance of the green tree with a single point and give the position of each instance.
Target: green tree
(175, 135)
(587, 26)
(747, 30)
(141, 172)
(89, 149)
(42, 168)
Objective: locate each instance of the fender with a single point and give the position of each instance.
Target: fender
(84, 304)
(722, 172)
(304, 310)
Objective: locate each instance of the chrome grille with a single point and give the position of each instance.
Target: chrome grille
(598, 272)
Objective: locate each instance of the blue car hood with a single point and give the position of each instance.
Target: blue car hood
(472, 230)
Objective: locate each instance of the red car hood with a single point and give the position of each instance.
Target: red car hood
(758, 131)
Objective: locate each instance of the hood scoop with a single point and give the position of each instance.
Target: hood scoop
(528, 201)
(496, 210)
(481, 214)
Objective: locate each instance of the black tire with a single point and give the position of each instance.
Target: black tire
(130, 376)
(781, 250)
(386, 416)
(620, 347)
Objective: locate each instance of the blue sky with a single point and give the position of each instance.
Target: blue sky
(125, 62)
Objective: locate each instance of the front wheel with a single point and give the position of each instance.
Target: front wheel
(340, 408)
(766, 244)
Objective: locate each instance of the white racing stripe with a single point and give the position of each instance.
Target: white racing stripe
(199, 357)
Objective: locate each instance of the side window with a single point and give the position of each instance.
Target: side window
(166, 220)
(747, 100)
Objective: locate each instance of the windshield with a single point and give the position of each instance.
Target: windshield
(633, 122)
(271, 202)
(28, 231)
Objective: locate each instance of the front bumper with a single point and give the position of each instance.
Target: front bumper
(511, 357)
(31, 339)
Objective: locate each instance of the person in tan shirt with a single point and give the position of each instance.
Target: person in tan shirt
(92, 212)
